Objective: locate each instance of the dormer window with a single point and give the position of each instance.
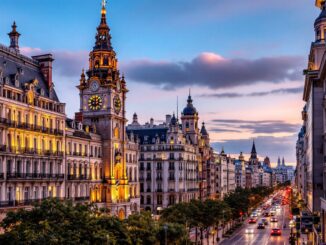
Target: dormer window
(42, 92)
(73, 124)
(7, 80)
(20, 71)
(17, 81)
(80, 126)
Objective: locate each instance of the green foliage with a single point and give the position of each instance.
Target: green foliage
(55, 222)
(142, 229)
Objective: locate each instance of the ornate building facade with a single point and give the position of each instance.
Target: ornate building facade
(168, 164)
(44, 154)
(32, 128)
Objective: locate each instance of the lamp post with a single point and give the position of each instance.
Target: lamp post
(223, 223)
(213, 233)
(165, 227)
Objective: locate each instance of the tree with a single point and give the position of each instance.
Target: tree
(142, 228)
(54, 222)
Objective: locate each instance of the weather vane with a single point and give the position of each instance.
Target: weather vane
(104, 3)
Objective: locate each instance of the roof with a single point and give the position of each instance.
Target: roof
(15, 65)
(203, 130)
(189, 110)
(149, 135)
(322, 15)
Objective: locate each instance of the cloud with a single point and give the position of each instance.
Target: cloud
(214, 71)
(297, 90)
(255, 127)
(265, 145)
(66, 63)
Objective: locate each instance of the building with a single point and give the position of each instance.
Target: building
(83, 162)
(32, 128)
(300, 177)
(313, 114)
(240, 172)
(44, 154)
(168, 163)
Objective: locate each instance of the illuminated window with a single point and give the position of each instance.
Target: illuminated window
(116, 132)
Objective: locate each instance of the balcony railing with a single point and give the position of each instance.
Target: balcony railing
(17, 175)
(30, 151)
(31, 127)
(79, 177)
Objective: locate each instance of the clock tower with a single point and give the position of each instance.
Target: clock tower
(102, 106)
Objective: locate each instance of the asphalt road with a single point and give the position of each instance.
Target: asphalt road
(262, 236)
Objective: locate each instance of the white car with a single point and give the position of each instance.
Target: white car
(249, 231)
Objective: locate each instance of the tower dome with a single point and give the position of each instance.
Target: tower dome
(189, 110)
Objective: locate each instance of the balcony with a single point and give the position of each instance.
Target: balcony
(28, 202)
(30, 127)
(30, 151)
(79, 177)
(171, 178)
(28, 176)
(81, 199)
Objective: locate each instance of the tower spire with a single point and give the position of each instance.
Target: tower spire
(103, 37)
(14, 36)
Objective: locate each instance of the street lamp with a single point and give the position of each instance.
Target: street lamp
(213, 233)
(165, 227)
(223, 223)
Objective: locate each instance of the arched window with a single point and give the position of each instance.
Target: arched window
(116, 132)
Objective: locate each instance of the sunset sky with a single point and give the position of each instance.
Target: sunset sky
(242, 60)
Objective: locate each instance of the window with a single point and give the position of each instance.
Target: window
(43, 167)
(159, 199)
(36, 192)
(148, 200)
(44, 194)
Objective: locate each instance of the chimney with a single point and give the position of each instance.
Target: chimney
(45, 62)
(168, 119)
(151, 122)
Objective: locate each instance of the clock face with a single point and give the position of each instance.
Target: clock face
(94, 86)
(95, 103)
(117, 104)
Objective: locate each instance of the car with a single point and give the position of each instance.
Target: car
(249, 231)
(266, 214)
(252, 221)
(261, 226)
(264, 221)
(276, 232)
(254, 214)
(274, 219)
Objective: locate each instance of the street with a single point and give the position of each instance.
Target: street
(263, 236)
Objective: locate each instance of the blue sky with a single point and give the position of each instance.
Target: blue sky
(244, 59)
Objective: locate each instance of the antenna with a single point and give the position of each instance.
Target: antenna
(177, 108)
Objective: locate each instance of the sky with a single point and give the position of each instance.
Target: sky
(242, 60)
